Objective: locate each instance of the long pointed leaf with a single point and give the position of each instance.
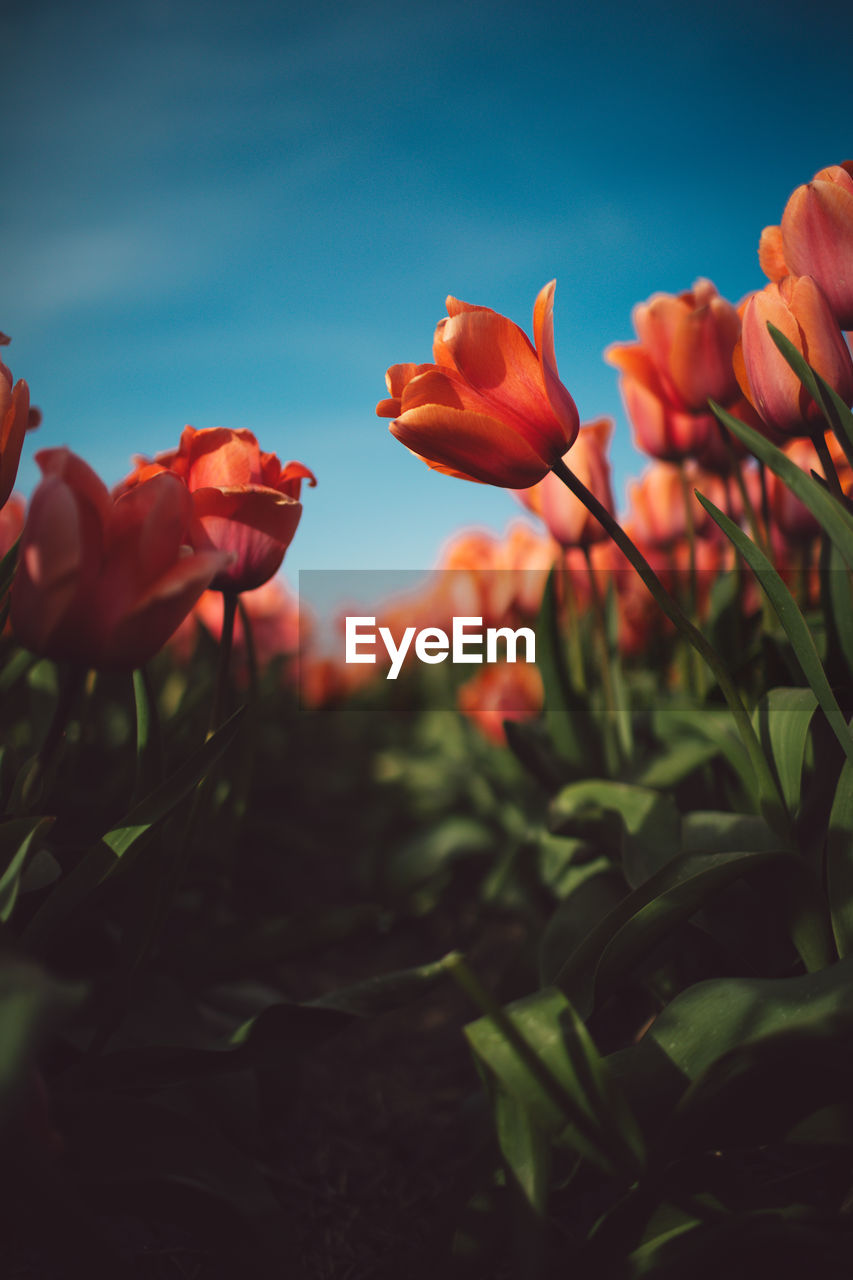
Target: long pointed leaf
(827, 510)
(795, 625)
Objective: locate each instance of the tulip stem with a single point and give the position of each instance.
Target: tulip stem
(773, 804)
(611, 740)
(28, 784)
(825, 457)
(226, 640)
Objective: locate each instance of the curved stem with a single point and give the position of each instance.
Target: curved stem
(229, 607)
(776, 810)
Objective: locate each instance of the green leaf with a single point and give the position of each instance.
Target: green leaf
(793, 622)
(7, 568)
(604, 1130)
(839, 603)
(709, 831)
(712, 726)
(101, 861)
(677, 762)
(525, 1149)
(149, 743)
(567, 714)
(747, 1097)
(646, 822)
(829, 513)
(32, 1006)
(826, 398)
(711, 1018)
(18, 839)
(782, 719)
(839, 861)
(609, 954)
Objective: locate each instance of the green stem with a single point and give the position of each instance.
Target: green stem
(825, 457)
(610, 739)
(775, 809)
(27, 788)
(226, 641)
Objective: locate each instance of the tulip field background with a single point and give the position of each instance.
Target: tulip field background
(495, 971)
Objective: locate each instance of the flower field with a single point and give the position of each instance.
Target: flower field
(345, 960)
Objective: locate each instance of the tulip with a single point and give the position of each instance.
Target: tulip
(798, 308)
(243, 500)
(101, 581)
(15, 419)
(790, 515)
(565, 517)
(817, 236)
(491, 408)
(505, 691)
(682, 359)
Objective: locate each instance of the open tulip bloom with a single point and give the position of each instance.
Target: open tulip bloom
(492, 407)
(103, 582)
(244, 501)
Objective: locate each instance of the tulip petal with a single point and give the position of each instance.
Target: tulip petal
(471, 445)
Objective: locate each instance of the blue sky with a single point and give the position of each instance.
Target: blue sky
(239, 215)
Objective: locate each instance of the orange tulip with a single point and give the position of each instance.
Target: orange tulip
(797, 307)
(682, 359)
(505, 691)
(15, 418)
(817, 238)
(101, 581)
(244, 501)
(491, 408)
(789, 515)
(565, 517)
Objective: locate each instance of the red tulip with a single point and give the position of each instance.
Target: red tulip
(244, 501)
(491, 408)
(565, 517)
(15, 419)
(817, 236)
(101, 581)
(797, 307)
(683, 359)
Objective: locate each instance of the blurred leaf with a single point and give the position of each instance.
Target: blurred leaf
(385, 993)
(609, 953)
(8, 564)
(840, 603)
(18, 838)
(249, 946)
(829, 513)
(713, 726)
(596, 889)
(708, 831)
(531, 744)
(796, 628)
(567, 714)
(839, 861)
(565, 861)
(32, 1006)
(419, 860)
(73, 890)
(648, 822)
(677, 762)
(149, 744)
(782, 720)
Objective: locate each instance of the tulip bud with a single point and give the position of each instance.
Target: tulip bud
(798, 308)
